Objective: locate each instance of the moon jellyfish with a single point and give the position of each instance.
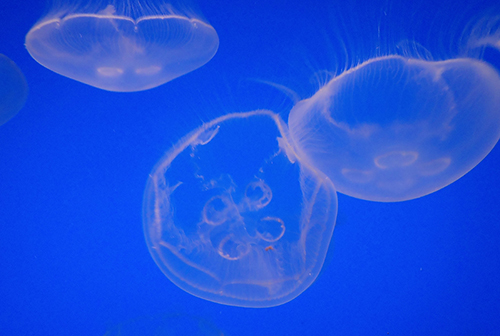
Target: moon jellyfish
(396, 128)
(171, 324)
(13, 89)
(232, 216)
(121, 45)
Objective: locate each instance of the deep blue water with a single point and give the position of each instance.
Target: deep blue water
(75, 160)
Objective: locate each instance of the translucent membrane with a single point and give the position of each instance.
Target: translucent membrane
(13, 89)
(115, 52)
(395, 128)
(231, 216)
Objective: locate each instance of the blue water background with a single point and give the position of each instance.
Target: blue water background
(74, 163)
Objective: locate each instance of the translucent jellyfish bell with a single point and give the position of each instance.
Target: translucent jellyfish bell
(232, 217)
(396, 128)
(13, 89)
(124, 46)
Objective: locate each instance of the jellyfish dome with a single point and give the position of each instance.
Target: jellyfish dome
(13, 89)
(396, 128)
(122, 46)
(232, 217)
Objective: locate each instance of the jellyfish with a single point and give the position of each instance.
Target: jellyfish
(402, 125)
(121, 46)
(166, 324)
(232, 216)
(13, 89)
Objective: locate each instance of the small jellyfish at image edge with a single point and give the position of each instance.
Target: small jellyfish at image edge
(13, 89)
(232, 216)
(398, 127)
(121, 46)
(169, 324)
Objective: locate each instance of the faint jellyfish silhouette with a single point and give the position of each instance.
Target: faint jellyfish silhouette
(231, 216)
(396, 127)
(13, 89)
(173, 324)
(125, 46)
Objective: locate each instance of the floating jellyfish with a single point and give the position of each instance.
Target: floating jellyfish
(13, 89)
(172, 324)
(232, 216)
(395, 128)
(121, 45)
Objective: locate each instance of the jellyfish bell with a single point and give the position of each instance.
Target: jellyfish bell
(13, 89)
(232, 217)
(396, 128)
(121, 45)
